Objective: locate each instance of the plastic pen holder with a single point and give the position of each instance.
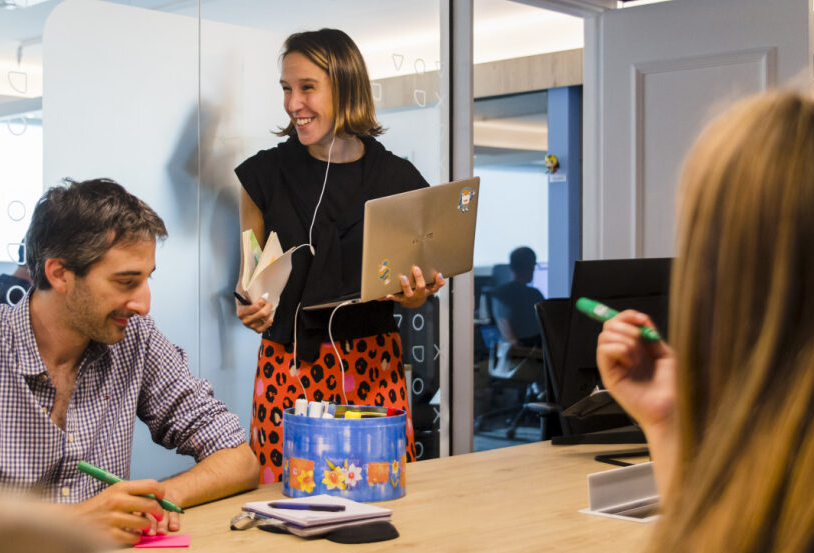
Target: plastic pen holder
(362, 459)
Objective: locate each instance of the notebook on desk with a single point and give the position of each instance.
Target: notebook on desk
(304, 518)
(432, 228)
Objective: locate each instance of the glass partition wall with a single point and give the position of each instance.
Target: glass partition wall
(241, 103)
(521, 54)
(167, 98)
(20, 143)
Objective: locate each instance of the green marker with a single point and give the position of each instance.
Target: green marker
(602, 313)
(104, 476)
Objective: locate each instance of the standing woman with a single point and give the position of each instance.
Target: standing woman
(311, 191)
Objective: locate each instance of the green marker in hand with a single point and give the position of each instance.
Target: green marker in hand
(602, 313)
(104, 476)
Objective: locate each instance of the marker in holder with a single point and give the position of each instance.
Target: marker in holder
(301, 406)
(363, 459)
(315, 409)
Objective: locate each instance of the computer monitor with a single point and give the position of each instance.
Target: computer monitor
(640, 284)
(540, 278)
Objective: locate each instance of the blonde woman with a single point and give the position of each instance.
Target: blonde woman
(728, 409)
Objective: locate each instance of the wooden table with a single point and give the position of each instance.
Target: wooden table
(521, 498)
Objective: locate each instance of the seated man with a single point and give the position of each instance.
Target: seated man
(514, 301)
(80, 358)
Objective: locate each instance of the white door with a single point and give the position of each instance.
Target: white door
(654, 76)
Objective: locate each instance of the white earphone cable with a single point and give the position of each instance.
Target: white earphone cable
(294, 359)
(310, 245)
(324, 182)
(336, 350)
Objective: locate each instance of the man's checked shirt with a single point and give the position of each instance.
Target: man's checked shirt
(144, 375)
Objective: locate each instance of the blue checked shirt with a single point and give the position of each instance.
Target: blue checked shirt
(144, 375)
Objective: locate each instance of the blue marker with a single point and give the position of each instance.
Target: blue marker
(307, 506)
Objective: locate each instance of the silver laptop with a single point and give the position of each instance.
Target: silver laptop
(433, 228)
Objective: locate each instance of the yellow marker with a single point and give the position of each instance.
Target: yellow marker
(353, 415)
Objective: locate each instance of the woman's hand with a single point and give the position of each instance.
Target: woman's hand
(256, 316)
(640, 375)
(415, 297)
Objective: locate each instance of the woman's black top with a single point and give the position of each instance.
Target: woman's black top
(285, 182)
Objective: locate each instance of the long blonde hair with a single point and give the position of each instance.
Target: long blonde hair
(742, 325)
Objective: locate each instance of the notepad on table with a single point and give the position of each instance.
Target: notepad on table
(355, 512)
(168, 540)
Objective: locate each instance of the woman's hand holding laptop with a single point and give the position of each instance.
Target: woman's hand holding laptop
(415, 297)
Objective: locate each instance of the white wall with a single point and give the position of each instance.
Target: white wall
(654, 75)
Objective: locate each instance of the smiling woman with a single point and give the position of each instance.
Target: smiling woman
(308, 101)
(343, 102)
(310, 190)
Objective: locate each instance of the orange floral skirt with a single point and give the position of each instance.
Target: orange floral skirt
(374, 375)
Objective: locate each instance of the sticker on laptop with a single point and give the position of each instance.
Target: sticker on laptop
(465, 199)
(384, 271)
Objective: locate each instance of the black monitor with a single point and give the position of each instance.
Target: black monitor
(640, 284)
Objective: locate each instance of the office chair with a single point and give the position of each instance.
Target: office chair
(513, 367)
(553, 318)
(510, 367)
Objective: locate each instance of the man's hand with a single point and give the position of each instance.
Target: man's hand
(170, 521)
(415, 297)
(122, 512)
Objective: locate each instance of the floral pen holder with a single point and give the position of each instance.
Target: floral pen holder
(360, 458)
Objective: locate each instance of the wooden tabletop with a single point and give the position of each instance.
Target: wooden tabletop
(521, 498)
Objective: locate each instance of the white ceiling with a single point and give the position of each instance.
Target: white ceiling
(382, 28)
(397, 37)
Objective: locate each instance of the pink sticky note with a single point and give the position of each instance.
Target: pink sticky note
(169, 540)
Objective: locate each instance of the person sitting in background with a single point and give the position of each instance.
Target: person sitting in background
(514, 301)
(728, 410)
(14, 286)
(80, 359)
